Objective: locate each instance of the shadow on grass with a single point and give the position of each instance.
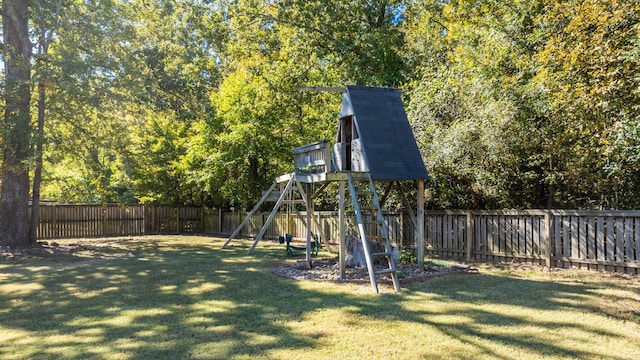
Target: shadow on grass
(185, 298)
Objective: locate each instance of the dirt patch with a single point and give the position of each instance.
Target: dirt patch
(40, 250)
(90, 248)
(329, 270)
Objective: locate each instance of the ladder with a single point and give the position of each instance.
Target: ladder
(374, 229)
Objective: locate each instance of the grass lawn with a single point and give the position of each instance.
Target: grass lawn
(184, 298)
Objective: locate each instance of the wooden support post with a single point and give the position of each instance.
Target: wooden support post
(341, 231)
(470, 239)
(309, 206)
(547, 237)
(420, 218)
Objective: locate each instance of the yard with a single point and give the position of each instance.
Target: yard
(181, 297)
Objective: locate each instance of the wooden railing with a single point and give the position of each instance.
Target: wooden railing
(313, 158)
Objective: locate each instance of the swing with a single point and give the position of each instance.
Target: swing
(288, 237)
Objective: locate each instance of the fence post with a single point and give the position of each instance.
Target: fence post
(55, 221)
(202, 219)
(547, 237)
(420, 229)
(153, 219)
(177, 220)
(470, 240)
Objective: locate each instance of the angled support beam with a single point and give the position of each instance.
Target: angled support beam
(387, 192)
(246, 220)
(406, 204)
(320, 191)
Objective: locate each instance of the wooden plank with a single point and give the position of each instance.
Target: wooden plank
(600, 238)
(469, 243)
(480, 236)
(637, 239)
(575, 240)
(522, 235)
(610, 243)
(527, 230)
(499, 234)
(513, 242)
(491, 234)
(582, 238)
(591, 238)
(449, 234)
(619, 239)
(557, 235)
(535, 236)
(462, 221)
(438, 232)
(628, 239)
(547, 239)
(508, 234)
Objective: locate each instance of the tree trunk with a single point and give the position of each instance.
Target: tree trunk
(16, 129)
(37, 173)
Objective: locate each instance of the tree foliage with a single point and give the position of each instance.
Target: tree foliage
(526, 104)
(514, 104)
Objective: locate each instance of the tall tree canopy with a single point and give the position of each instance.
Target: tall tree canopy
(527, 104)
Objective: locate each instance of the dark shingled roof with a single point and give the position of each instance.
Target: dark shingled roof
(389, 145)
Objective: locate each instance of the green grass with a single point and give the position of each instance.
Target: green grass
(184, 298)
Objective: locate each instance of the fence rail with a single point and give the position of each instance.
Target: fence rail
(605, 240)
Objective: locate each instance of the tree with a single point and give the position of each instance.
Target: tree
(16, 126)
(590, 80)
(46, 27)
(546, 87)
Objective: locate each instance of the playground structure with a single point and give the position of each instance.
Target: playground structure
(374, 143)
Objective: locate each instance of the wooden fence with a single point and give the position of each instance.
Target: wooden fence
(73, 221)
(605, 240)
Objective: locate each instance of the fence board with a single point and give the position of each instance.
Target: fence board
(637, 240)
(628, 240)
(619, 240)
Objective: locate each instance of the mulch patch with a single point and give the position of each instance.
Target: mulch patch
(329, 270)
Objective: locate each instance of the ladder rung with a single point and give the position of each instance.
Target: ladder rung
(385, 271)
